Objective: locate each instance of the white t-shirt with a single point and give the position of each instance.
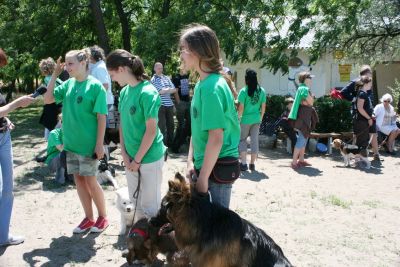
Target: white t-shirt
(99, 71)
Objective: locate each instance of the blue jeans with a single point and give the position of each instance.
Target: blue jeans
(6, 185)
(220, 193)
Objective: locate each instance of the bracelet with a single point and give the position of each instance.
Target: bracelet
(136, 161)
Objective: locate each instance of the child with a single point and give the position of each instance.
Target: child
(215, 124)
(141, 141)
(55, 153)
(84, 123)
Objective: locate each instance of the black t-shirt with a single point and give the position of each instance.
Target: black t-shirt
(181, 82)
(367, 103)
(3, 102)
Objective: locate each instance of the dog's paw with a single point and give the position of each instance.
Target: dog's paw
(125, 253)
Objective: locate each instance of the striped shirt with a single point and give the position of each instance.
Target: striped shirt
(161, 82)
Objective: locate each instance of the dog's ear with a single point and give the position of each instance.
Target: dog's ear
(180, 177)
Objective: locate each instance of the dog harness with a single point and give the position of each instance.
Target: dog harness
(138, 232)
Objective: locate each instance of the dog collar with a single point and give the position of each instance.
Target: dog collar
(135, 231)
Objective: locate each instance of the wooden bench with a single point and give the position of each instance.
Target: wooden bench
(330, 137)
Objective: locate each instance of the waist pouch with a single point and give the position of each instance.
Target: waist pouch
(226, 170)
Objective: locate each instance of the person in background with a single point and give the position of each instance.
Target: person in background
(386, 122)
(6, 164)
(84, 124)
(165, 88)
(252, 101)
(98, 69)
(50, 111)
(284, 123)
(182, 97)
(349, 92)
(303, 98)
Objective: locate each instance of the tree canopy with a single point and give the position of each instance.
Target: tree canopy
(269, 31)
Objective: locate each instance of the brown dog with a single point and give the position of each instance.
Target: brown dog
(145, 241)
(215, 236)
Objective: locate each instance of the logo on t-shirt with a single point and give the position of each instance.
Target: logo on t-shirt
(132, 110)
(79, 99)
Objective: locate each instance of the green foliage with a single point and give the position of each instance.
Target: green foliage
(395, 92)
(334, 115)
(275, 107)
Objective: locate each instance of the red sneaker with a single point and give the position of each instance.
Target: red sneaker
(85, 225)
(100, 225)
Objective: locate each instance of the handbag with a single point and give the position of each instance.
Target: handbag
(226, 170)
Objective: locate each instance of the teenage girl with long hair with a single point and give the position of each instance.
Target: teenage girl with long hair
(215, 124)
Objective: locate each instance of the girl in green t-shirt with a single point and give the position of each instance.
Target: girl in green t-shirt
(141, 141)
(84, 122)
(252, 101)
(214, 120)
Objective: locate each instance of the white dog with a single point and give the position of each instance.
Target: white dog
(126, 208)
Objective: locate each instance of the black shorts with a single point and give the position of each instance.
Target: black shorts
(361, 130)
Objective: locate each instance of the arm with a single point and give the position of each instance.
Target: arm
(177, 99)
(167, 91)
(60, 148)
(147, 141)
(240, 110)
(101, 129)
(22, 101)
(263, 106)
(360, 108)
(125, 156)
(48, 97)
(213, 147)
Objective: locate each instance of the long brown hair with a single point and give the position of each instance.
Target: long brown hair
(203, 42)
(3, 58)
(122, 58)
(363, 80)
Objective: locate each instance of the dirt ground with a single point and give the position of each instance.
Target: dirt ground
(324, 215)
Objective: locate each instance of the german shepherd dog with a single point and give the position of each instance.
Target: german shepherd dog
(145, 241)
(214, 236)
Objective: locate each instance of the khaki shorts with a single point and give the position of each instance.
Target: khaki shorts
(82, 165)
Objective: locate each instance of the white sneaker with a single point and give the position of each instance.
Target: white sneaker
(13, 240)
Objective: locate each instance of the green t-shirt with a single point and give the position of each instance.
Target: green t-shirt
(301, 94)
(82, 101)
(252, 105)
(213, 108)
(55, 139)
(137, 105)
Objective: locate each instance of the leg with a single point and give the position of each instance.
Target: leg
(97, 195)
(132, 179)
(162, 122)
(220, 193)
(150, 199)
(6, 186)
(179, 132)
(84, 195)
(244, 133)
(254, 144)
(170, 125)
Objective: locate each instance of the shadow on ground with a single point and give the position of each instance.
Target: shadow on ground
(64, 250)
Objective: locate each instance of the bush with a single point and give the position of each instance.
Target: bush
(275, 107)
(334, 115)
(395, 92)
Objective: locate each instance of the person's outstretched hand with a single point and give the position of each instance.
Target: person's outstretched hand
(24, 101)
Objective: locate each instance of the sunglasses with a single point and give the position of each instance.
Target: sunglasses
(386, 101)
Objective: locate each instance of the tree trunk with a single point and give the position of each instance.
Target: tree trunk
(100, 26)
(126, 30)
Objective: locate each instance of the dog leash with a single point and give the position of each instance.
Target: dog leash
(136, 197)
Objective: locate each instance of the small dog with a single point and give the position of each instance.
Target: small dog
(145, 241)
(106, 173)
(351, 151)
(126, 208)
(215, 236)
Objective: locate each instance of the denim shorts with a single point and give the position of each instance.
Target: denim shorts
(301, 140)
(82, 165)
